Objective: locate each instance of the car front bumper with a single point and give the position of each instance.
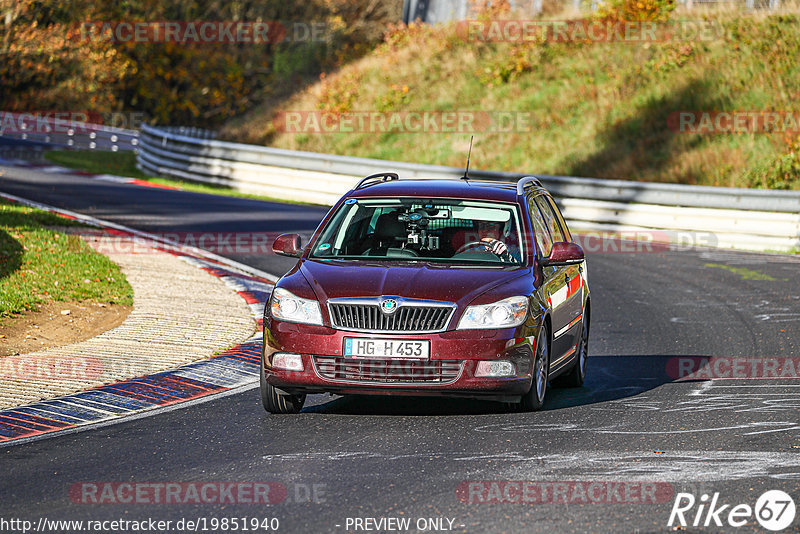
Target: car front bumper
(325, 369)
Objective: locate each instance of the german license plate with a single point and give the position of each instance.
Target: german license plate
(387, 348)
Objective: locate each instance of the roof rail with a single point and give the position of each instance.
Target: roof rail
(525, 181)
(384, 177)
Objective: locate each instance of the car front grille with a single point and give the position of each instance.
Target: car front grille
(405, 319)
(387, 371)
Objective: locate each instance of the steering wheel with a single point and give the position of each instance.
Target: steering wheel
(487, 245)
(472, 244)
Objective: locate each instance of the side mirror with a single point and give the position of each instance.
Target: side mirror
(564, 253)
(287, 245)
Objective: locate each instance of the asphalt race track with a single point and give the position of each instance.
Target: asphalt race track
(635, 431)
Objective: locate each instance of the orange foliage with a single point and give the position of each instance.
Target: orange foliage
(47, 63)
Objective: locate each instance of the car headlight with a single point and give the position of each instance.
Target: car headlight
(287, 361)
(504, 313)
(494, 368)
(289, 307)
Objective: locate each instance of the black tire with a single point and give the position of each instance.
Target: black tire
(534, 399)
(575, 377)
(278, 403)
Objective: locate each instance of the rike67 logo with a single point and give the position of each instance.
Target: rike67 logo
(774, 510)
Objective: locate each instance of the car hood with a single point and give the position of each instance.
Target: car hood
(459, 284)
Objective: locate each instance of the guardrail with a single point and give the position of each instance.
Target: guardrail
(717, 216)
(36, 129)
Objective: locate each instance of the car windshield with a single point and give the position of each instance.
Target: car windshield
(413, 229)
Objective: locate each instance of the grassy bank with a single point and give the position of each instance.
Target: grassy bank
(124, 164)
(39, 265)
(600, 109)
(97, 162)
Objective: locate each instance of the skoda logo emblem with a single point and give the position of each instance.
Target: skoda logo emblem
(389, 306)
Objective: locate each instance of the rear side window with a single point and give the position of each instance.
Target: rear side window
(550, 219)
(560, 218)
(543, 240)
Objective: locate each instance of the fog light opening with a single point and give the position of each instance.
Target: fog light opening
(494, 368)
(287, 361)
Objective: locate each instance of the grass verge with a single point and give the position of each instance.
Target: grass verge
(38, 264)
(124, 164)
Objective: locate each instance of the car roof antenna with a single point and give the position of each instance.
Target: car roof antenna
(466, 171)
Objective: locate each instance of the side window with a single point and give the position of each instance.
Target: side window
(560, 218)
(550, 219)
(543, 240)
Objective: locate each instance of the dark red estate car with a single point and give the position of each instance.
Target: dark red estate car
(430, 287)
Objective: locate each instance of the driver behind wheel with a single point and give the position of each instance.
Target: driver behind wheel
(493, 235)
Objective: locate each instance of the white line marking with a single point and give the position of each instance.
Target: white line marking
(146, 412)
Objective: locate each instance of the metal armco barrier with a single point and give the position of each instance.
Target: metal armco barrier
(751, 219)
(60, 133)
